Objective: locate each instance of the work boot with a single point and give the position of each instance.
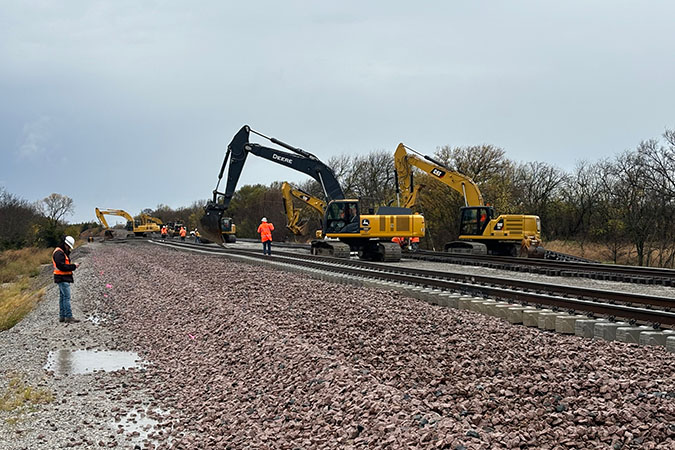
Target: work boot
(62, 319)
(71, 320)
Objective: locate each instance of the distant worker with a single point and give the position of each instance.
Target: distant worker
(398, 240)
(265, 229)
(414, 243)
(182, 233)
(63, 277)
(164, 232)
(197, 240)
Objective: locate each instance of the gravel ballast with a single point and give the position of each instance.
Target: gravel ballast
(244, 356)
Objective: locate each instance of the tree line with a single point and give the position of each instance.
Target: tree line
(626, 203)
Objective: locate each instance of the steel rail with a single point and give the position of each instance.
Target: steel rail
(589, 301)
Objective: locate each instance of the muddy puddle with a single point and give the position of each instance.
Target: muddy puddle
(69, 362)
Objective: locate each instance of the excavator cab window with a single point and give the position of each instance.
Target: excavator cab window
(473, 220)
(225, 224)
(342, 217)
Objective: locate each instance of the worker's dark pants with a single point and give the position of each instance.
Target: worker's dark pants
(267, 247)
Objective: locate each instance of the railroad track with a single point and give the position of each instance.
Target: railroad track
(561, 268)
(635, 308)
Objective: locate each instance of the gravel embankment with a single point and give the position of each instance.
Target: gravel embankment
(243, 356)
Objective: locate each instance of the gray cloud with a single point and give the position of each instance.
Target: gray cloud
(36, 137)
(152, 92)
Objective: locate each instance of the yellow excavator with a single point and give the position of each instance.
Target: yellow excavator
(294, 223)
(481, 230)
(146, 223)
(346, 227)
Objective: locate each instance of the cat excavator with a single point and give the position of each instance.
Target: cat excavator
(145, 224)
(481, 230)
(346, 227)
(294, 223)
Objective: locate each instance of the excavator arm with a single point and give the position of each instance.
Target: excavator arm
(101, 218)
(296, 225)
(101, 213)
(236, 154)
(404, 162)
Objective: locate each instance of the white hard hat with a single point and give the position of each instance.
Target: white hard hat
(70, 242)
(264, 219)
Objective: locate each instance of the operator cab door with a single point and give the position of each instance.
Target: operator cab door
(474, 219)
(342, 216)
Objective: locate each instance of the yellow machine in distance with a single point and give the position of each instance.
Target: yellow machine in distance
(146, 224)
(481, 231)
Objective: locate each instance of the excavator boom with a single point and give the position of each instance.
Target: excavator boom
(294, 223)
(460, 183)
(237, 152)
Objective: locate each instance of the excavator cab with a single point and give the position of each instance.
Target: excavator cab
(342, 216)
(474, 219)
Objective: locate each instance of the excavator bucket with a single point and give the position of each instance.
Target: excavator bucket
(210, 222)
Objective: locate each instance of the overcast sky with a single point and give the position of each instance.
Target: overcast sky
(129, 104)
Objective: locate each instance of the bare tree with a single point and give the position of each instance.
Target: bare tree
(55, 207)
(374, 173)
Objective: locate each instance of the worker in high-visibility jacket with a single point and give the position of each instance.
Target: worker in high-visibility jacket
(164, 232)
(414, 243)
(265, 229)
(63, 277)
(183, 232)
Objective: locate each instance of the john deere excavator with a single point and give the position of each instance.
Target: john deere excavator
(294, 223)
(345, 227)
(481, 230)
(146, 224)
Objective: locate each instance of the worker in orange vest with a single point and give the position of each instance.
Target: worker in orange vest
(414, 243)
(265, 229)
(164, 232)
(182, 233)
(398, 240)
(63, 277)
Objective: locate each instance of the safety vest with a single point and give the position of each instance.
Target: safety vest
(56, 270)
(182, 232)
(163, 230)
(414, 239)
(265, 230)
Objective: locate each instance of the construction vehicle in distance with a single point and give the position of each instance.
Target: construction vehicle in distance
(345, 227)
(481, 230)
(145, 224)
(294, 223)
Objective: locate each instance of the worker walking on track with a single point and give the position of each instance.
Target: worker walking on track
(183, 233)
(265, 229)
(63, 276)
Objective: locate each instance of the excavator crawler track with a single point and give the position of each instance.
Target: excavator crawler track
(334, 249)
